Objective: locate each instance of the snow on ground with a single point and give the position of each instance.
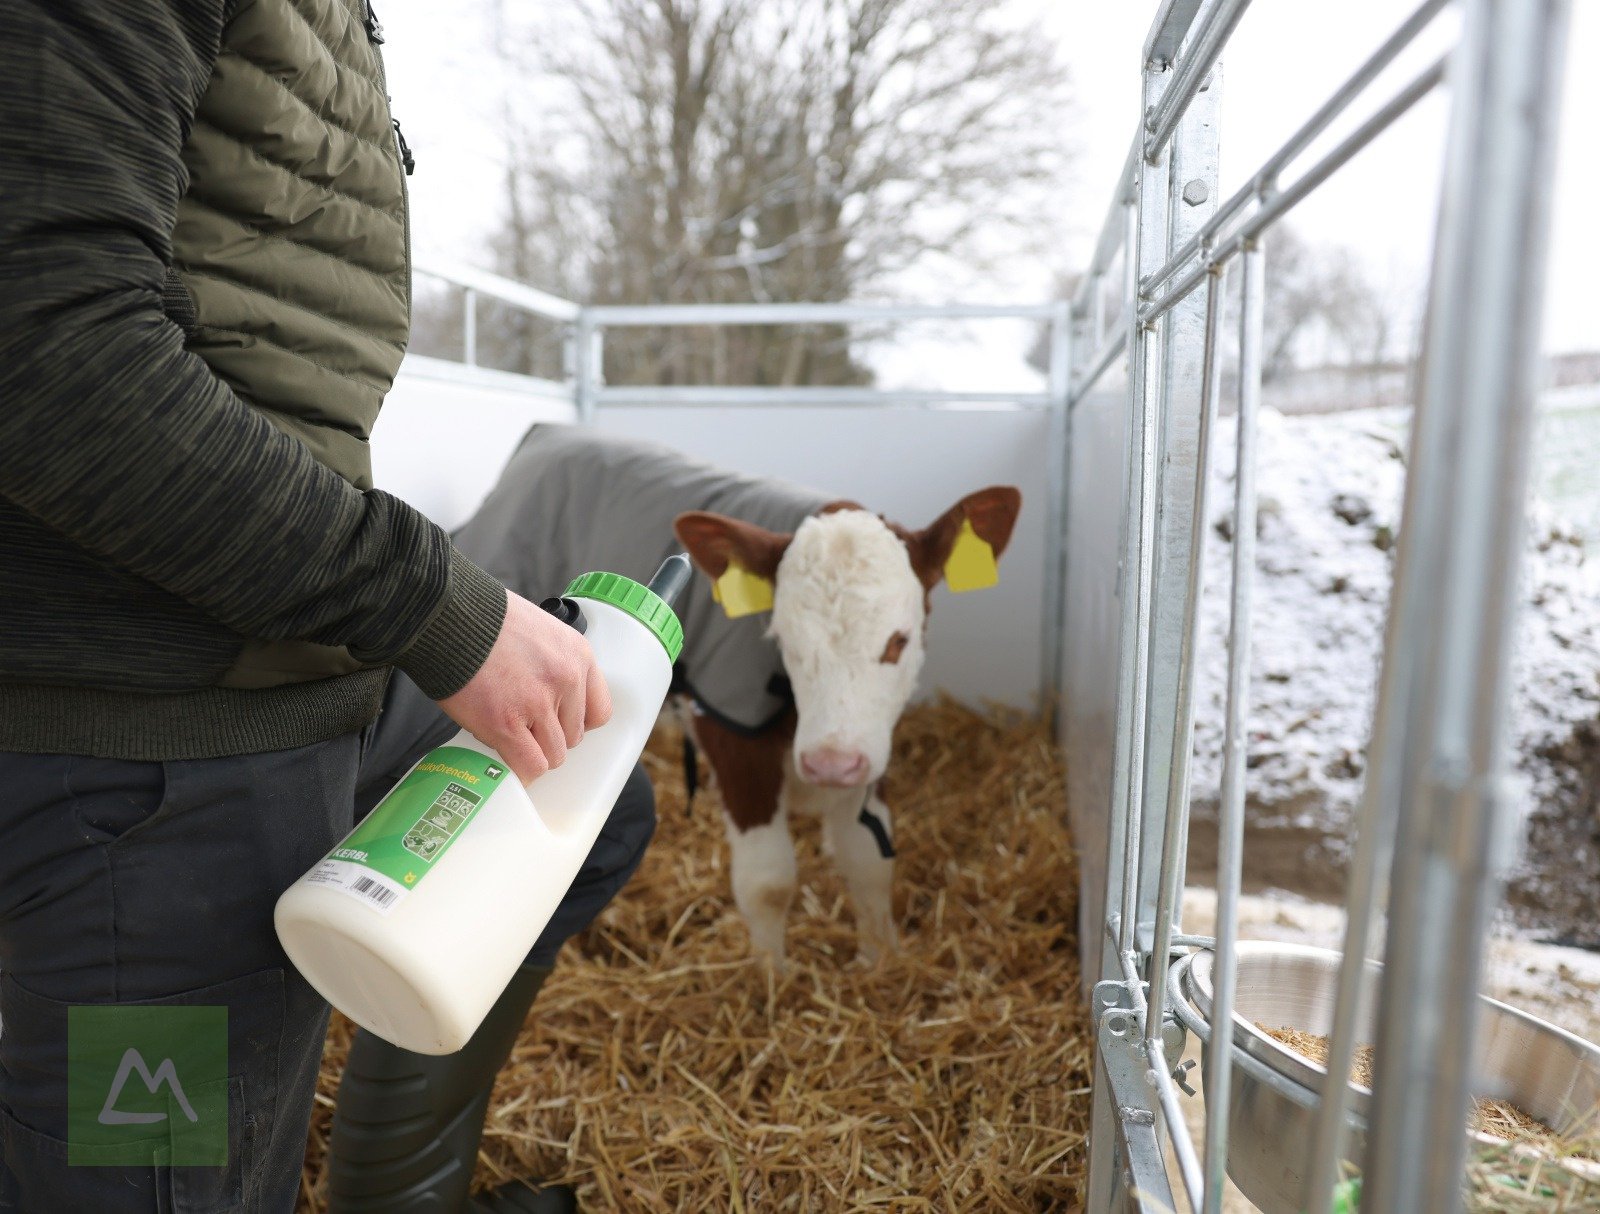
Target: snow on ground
(1329, 505)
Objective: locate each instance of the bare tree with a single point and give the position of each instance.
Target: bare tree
(1324, 311)
(727, 150)
(1321, 296)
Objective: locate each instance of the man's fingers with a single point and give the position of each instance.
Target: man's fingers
(552, 740)
(536, 695)
(570, 715)
(596, 700)
(524, 756)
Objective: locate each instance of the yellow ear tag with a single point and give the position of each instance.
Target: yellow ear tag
(741, 592)
(971, 565)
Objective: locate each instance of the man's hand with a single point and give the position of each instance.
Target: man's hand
(536, 694)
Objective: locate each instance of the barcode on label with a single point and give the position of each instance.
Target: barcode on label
(376, 890)
(380, 894)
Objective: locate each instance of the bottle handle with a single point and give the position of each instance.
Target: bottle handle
(567, 611)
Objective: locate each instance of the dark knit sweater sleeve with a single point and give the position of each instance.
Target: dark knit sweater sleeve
(126, 444)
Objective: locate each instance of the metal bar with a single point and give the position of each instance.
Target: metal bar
(1203, 239)
(1128, 961)
(1111, 234)
(1366, 893)
(1055, 529)
(1479, 364)
(758, 394)
(1275, 206)
(1141, 206)
(1168, 31)
(469, 326)
(1230, 818)
(1169, 875)
(1148, 396)
(1178, 772)
(672, 315)
(1134, 634)
(1155, 308)
(1177, 1129)
(1411, 603)
(1181, 400)
(1103, 362)
(506, 290)
(1106, 1150)
(586, 366)
(1106, 1143)
(1205, 48)
(1267, 175)
(1290, 196)
(1139, 1168)
(1367, 890)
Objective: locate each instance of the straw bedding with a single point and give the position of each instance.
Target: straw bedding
(662, 1069)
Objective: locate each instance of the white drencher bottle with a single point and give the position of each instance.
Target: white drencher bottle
(414, 924)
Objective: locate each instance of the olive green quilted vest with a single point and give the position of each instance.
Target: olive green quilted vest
(293, 247)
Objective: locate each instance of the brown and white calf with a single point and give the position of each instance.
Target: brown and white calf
(794, 710)
(851, 595)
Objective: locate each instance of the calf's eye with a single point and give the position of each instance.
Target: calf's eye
(896, 646)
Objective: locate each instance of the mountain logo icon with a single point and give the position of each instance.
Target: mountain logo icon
(133, 1062)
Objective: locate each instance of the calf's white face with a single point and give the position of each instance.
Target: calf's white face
(850, 608)
(849, 614)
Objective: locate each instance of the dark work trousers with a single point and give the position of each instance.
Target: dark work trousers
(154, 883)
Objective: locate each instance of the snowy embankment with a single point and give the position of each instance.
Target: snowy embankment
(1329, 504)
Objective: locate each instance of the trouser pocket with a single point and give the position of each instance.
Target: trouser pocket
(42, 1174)
(168, 1105)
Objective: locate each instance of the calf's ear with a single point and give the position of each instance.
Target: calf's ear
(992, 513)
(715, 541)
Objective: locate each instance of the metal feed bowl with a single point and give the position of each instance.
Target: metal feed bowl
(1540, 1068)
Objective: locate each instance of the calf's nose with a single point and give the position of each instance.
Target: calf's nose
(832, 766)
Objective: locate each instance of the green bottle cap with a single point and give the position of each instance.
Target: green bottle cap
(642, 603)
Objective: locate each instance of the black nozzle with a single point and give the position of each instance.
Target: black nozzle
(568, 612)
(672, 577)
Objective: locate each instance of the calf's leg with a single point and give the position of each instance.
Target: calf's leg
(749, 772)
(764, 880)
(863, 852)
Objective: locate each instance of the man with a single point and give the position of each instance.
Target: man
(204, 296)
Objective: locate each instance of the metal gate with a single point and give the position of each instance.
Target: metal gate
(1433, 823)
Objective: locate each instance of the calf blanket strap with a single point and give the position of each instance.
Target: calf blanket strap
(880, 832)
(691, 772)
(691, 765)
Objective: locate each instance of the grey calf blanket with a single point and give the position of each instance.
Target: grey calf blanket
(573, 499)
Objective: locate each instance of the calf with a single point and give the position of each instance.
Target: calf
(796, 714)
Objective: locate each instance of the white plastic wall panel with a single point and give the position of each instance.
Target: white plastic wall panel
(447, 430)
(910, 465)
(1093, 615)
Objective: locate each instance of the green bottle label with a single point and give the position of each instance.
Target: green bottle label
(406, 833)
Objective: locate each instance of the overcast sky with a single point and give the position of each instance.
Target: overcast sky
(1283, 61)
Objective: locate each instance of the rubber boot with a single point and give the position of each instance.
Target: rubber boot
(406, 1126)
